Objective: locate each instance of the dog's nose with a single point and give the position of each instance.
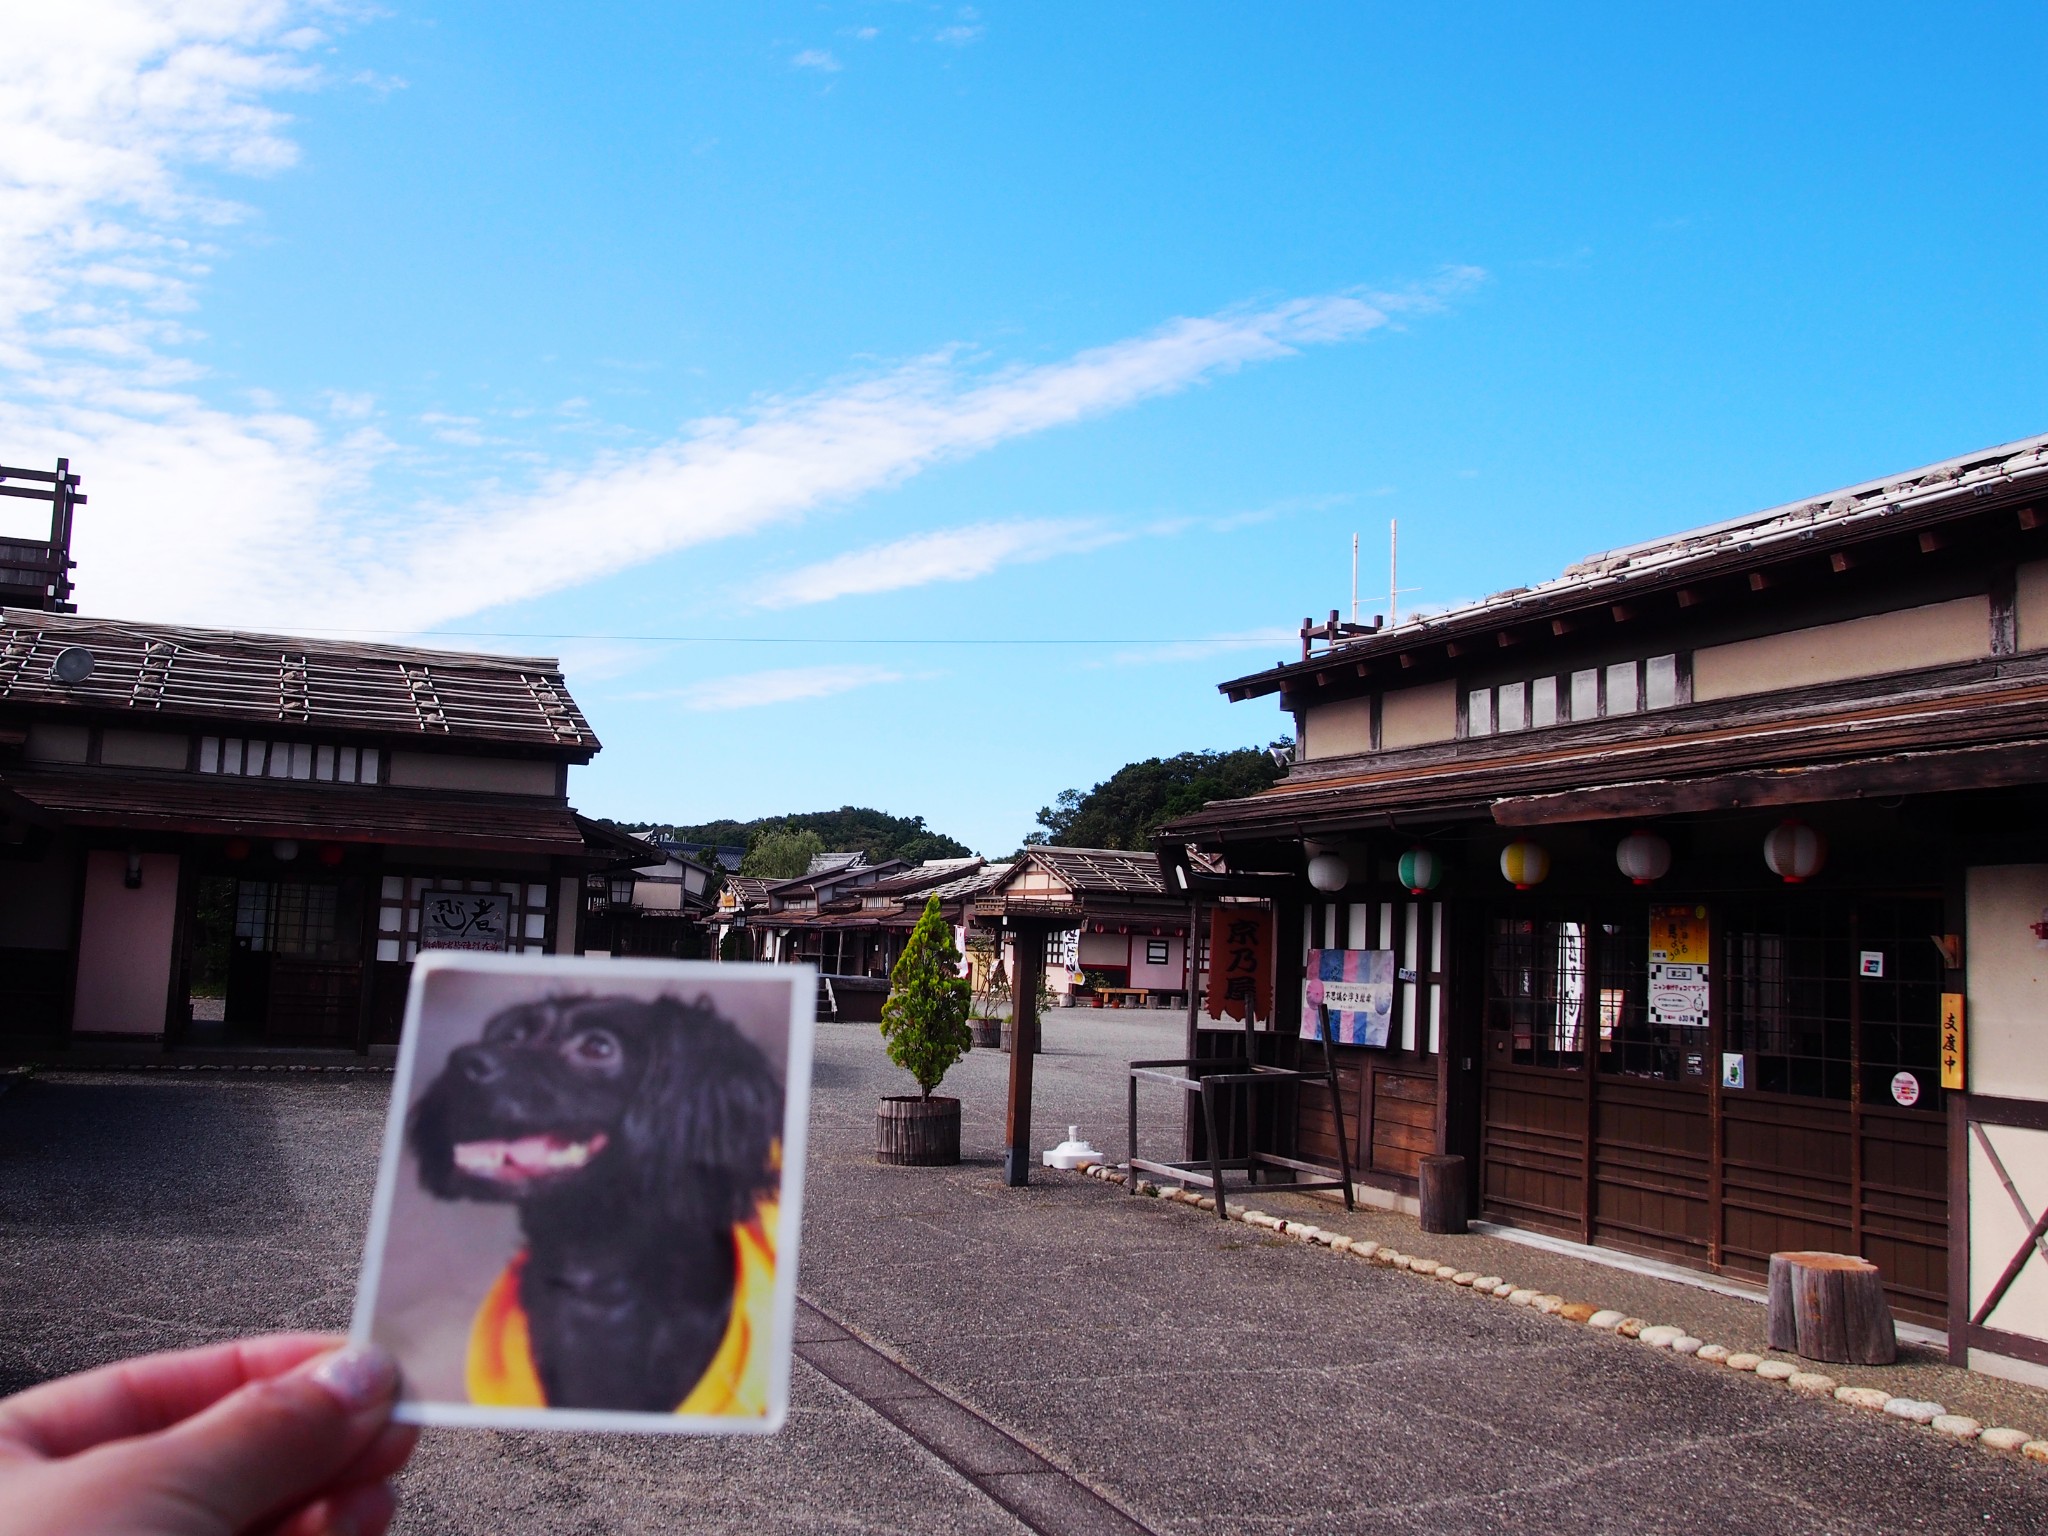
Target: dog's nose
(477, 1064)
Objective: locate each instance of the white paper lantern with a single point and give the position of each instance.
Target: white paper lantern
(1643, 857)
(1794, 851)
(1327, 872)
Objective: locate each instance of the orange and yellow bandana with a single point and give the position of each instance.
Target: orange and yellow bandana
(501, 1371)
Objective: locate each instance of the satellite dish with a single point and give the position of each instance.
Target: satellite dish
(73, 665)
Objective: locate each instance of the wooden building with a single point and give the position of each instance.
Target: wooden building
(1110, 917)
(1711, 885)
(211, 839)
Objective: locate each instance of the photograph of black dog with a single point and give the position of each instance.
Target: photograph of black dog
(639, 1139)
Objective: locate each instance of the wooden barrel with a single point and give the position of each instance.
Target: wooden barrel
(1831, 1306)
(920, 1133)
(988, 1033)
(1442, 1193)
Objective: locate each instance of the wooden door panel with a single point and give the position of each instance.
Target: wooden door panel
(1534, 1140)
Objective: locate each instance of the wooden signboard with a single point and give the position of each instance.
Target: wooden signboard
(1240, 962)
(1952, 1040)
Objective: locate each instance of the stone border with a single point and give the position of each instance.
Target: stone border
(1663, 1336)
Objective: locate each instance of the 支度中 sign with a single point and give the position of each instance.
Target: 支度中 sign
(1952, 1041)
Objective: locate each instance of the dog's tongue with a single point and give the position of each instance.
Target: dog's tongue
(529, 1157)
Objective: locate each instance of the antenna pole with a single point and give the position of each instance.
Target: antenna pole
(1393, 572)
(1354, 578)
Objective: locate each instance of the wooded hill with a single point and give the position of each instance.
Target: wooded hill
(1125, 809)
(876, 833)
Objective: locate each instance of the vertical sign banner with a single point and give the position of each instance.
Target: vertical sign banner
(1357, 986)
(1678, 966)
(1952, 1041)
(1240, 962)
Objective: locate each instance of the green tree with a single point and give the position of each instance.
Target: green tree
(781, 853)
(875, 833)
(925, 1019)
(1124, 810)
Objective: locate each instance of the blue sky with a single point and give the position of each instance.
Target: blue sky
(925, 406)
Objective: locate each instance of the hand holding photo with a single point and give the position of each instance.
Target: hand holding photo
(589, 1199)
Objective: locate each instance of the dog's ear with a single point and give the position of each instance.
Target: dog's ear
(705, 1121)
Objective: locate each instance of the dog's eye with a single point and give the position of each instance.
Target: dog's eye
(596, 1045)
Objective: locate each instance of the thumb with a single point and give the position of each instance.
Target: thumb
(272, 1445)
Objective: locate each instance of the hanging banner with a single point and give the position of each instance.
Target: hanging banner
(1357, 986)
(1678, 967)
(1952, 1041)
(455, 920)
(1240, 962)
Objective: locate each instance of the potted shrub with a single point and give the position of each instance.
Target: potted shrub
(925, 1024)
(985, 1019)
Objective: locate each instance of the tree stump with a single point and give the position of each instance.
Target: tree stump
(1442, 1190)
(1831, 1306)
(918, 1133)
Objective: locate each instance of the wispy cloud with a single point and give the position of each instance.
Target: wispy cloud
(780, 685)
(819, 59)
(952, 554)
(270, 516)
(1201, 650)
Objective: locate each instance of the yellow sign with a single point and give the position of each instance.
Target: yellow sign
(1678, 935)
(1952, 1040)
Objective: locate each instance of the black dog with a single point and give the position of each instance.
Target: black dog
(634, 1137)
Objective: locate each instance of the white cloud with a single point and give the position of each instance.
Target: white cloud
(270, 517)
(780, 685)
(818, 59)
(1202, 650)
(957, 37)
(951, 554)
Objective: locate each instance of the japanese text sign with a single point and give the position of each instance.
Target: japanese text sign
(1240, 962)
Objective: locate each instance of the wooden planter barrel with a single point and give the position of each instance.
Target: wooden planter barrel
(1009, 1038)
(1831, 1306)
(988, 1033)
(918, 1133)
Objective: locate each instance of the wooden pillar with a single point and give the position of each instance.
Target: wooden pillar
(1029, 950)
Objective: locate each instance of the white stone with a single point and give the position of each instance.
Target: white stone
(1958, 1425)
(1629, 1327)
(1811, 1381)
(1776, 1370)
(1547, 1304)
(1871, 1398)
(1465, 1277)
(2035, 1450)
(1522, 1298)
(1914, 1409)
(2003, 1439)
(1659, 1335)
(1606, 1320)
(1743, 1360)
(1485, 1282)
(1341, 1244)
(1686, 1345)
(1365, 1250)
(1714, 1354)
(1505, 1290)
(1304, 1231)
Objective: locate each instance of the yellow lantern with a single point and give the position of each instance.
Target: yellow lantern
(1523, 864)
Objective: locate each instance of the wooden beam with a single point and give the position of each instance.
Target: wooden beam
(1623, 612)
(1407, 659)
(2030, 518)
(1459, 647)
(1690, 597)
(1932, 539)
(1566, 625)
(1029, 944)
(1840, 561)
(1758, 580)
(1506, 638)
(1364, 669)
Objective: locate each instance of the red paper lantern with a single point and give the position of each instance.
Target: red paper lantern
(332, 854)
(236, 848)
(1794, 851)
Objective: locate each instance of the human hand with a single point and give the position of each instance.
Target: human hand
(288, 1435)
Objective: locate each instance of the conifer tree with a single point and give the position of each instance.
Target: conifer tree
(925, 1018)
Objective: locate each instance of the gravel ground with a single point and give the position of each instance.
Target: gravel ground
(1205, 1376)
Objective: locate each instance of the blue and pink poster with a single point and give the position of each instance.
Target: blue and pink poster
(1357, 986)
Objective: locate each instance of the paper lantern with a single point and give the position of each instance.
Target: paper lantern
(284, 850)
(1795, 851)
(1524, 864)
(332, 854)
(1420, 871)
(236, 848)
(1643, 857)
(1327, 872)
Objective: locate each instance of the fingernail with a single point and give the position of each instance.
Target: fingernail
(360, 1376)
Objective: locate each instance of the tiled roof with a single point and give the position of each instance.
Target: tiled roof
(1106, 871)
(930, 873)
(748, 890)
(1851, 513)
(169, 671)
(337, 813)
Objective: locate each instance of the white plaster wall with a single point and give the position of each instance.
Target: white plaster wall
(1337, 730)
(1958, 630)
(2005, 1015)
(1169, 976)
(1105, 949)
(1410, 717)
(124, 945)
(1996, 1230)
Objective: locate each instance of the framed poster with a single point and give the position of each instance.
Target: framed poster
(478, 921)
(1678, 967)
(1357, 986)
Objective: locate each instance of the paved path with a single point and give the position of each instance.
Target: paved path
(1087, 1360)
